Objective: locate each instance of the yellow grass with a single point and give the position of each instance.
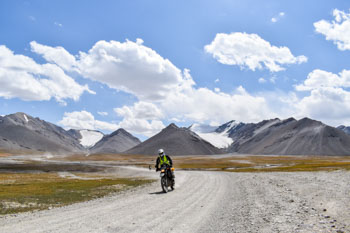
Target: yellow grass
(36, 191)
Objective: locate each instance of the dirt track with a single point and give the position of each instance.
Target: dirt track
(208, 202)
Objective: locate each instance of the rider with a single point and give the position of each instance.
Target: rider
(164, 159)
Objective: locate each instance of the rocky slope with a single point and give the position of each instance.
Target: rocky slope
(175, 141)
(116, 142)
(291, 137)
(21, 132)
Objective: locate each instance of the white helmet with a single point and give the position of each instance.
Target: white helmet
(160, 151)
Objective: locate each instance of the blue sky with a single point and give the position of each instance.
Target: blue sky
(250, 60)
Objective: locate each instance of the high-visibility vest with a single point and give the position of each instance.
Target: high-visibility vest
(163, 159)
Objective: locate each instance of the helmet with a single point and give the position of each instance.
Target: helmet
(160, 152)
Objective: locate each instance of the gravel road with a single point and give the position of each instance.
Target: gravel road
(208, 202)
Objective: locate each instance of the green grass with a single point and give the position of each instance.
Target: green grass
(27, 192)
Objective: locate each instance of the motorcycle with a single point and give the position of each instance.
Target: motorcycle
(167, 179)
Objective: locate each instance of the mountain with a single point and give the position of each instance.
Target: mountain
(244, 132)
(175, 141)
(346, 129)
(87, 138)
(290, 137)
(116, 142)
(21, 132)
(217, 136)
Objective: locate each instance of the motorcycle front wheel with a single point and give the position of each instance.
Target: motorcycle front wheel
(164, 184)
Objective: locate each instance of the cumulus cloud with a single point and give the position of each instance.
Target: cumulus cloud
(328, 98)
(329, 104)
(338, 30)
(250, 51)
(131, 67)
(21, 77)
(140, 110)
(203, 105)
(320, 79)
(57, 55)
(141, 118)
(85, 120)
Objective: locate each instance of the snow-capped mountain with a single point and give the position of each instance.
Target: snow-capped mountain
(87, 138)
(219, 136)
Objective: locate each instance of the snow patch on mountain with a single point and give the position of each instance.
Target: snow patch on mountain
(25, 118)
(216, 139)
(89, 137)
(219, 138)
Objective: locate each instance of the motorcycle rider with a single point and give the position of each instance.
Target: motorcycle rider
(164, 159)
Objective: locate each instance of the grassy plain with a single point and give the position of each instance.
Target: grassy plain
(231, 163)
(39, 185)
(21, 192)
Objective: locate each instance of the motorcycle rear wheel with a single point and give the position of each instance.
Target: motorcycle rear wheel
(172, 185)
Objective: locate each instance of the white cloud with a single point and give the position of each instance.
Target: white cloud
(57, 55)
(203, 105)
(329, 104)
(250, 51)
(217, 80)
(216, 89)
(140, 110)
(338, 30)
(273, 20)
(262, 80)
(102, 113)
(281, 14)
(320, 79)
(328, 100)
(130, 67)
(21, 77)
(85, 120)
(141, 118)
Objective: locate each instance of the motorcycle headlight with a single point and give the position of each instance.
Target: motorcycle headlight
(172, 169)
(162, 170)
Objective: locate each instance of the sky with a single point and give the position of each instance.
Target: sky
(141, 65)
